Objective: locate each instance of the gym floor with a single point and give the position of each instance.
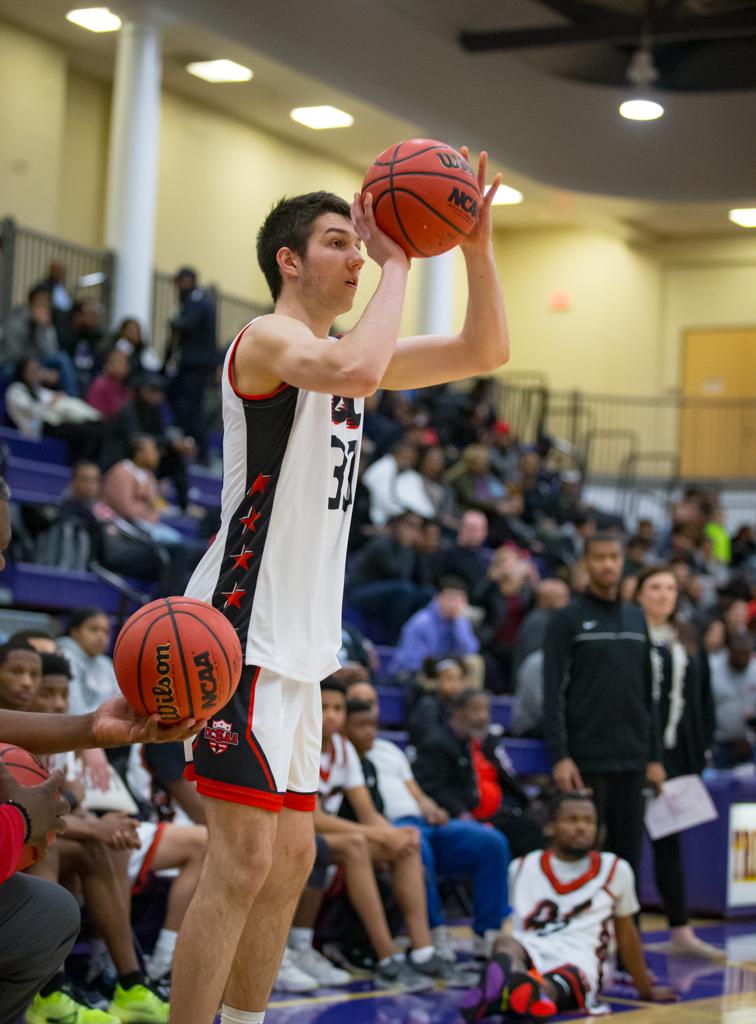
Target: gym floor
(711, 992)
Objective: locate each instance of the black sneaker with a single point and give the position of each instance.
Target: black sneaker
(398, 973)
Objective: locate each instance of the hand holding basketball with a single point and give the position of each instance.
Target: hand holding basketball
(117, 724)
(480, 235)
(378, 245)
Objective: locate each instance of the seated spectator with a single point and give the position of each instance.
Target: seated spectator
(342, 779)
(134, 850)
(636, 556)
(20, 675)
(553, 962)
(84, 645)
(527, 710)
(537, 491)
(146, 414)
(440, 629)
(456, 849)
(431, 469)
(37, 411)
(381, 479)
(503, 452)
(108, 392)
(743, 547)
(464, 768)
(467, 557)
(28, 332)
(81, 335)
(380, 430)
(382, 581)
(549, 595)
(733, 686)
(428, 711)
(475, 485)
(567, 506)
(505, 597)
(129, 339)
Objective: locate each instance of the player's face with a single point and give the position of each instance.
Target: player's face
(603, 560)
(52, 696)
(658, 595)
(365, 692)
(361, 730)
(20, 676)
(450, 682)
(574, 828)
(334, 712)
(331, 268)
(93, 635)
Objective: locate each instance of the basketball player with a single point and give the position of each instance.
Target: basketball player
(293, 416)
(564, 900)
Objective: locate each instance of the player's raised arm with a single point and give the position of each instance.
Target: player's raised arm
(482, 345)
(291, 344)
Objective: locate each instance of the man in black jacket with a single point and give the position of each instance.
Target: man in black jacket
(599, 718)
(464, 769)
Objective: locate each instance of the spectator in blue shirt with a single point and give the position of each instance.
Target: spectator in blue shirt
(441, 628)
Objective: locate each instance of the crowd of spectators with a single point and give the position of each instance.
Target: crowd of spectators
(474, 564)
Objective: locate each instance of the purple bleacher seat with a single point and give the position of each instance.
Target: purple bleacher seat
(47, 449)
(395, 736)
(43, 586)
(528, 757)
(501, 711)
(391, 702)
(36, 482)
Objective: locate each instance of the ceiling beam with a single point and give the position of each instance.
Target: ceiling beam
(617, 32)
(581, 11)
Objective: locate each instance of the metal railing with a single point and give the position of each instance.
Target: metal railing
(640, 437)
(25, 257)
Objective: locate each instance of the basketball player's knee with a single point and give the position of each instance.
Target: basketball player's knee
(239, 861)
(353, 848)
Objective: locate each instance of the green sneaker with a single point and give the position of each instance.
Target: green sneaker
(138, 1005)
(61, 1008)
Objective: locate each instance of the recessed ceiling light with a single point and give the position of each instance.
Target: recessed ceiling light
(745, 218)
(506, 196)
(95, 19)
(641, 110)
(217, 71)
(321, 117)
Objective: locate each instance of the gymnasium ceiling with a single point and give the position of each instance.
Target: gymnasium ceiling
(537, 82)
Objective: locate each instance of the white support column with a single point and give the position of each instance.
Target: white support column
(436, 307)
(133, 165)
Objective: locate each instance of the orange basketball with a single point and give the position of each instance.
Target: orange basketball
(27, 770)
(179, 658)
(425, 195)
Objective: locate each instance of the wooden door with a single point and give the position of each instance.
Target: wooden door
(718, 416)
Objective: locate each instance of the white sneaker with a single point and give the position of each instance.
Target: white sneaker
(444, 944)
(482, 945)
(292, 978)
(319, 967)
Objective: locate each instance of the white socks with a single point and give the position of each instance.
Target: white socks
(231, 1016)
(301, 938)
(421, 955)
(162, 957)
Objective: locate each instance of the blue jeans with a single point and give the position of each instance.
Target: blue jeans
(463, 849)
(62, 362)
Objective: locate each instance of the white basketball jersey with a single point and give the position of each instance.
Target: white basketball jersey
(276, 567)
(569, 921)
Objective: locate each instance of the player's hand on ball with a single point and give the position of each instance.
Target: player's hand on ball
(379, 246)
(480, 236)
(117, 724)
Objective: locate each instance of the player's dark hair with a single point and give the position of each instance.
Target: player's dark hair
(80, 616)
(136, 442)
(38, 289)
(289, 226)
(604, 537)
(331, 683)
(15, 645)
(452, 583)
(55, 665)
(430, 665)
(358, 707)
(558, 799)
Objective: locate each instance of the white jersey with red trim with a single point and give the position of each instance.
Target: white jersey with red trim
(563, 910)
(276, 567)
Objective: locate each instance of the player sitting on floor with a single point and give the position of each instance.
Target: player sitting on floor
(564, 900)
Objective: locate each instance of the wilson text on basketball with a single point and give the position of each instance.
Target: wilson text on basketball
(163, 691)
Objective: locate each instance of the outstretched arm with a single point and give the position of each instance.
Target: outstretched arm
(482, 345)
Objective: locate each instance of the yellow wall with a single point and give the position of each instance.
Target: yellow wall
(83, 172)
(32, 87)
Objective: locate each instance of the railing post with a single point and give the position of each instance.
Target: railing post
(573, 416)
(7, 262)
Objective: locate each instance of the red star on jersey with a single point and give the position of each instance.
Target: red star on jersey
(233, 597)
(259, 485)
(241, 561)
(250, 519)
